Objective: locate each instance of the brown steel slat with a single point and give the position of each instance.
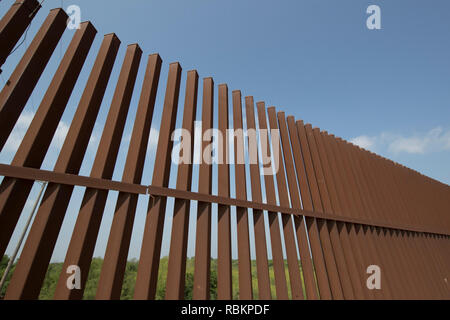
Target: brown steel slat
(354, 200)
(437, 245)
(203, 237)
(387, 192)
(332, 174)
(148, 267)
(438, 252)
(376, 208)
(86, 228)
(386, 291)
(417, 251)
(424, 284)
(434, 252)
(88, 221)
(357, 250)
(367, 213)
(426, 281)
(39, 135)
(176, 271)
(113, 267)
(346, 197)
(14, 23)
(367, 257)
(17, 91)
(274, 227)
(321, 278)
(379, 178)
(302, 239)
(74, 148)
(427, 270)
(355, 231)
(390, 268)
(410, 187)
(368, 252)
(287, 220)
(53, 209)
(386, 185)
(57, 196)
(244, 264)
(425, 287)
(375, 256)
(409, 289)
(364, 176)
(335, 242)
(365, 179)
(262, 264)
(321, 226)
(402, 257)
(397, 192)
(377, 252)
(369, 204)
(36, 254)
(224, 275)
(362, 255)
(347, 259)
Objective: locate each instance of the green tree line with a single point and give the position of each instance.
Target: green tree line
(54, 270)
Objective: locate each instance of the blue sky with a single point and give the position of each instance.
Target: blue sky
(387, 90)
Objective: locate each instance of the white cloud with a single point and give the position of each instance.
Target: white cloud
(93, 142)
(127, 138)
(409, 145)
(435, 140)
(16, 136)
(364, 142)
(21, 127)
(153, 140)
(25, 119)
(60, 134)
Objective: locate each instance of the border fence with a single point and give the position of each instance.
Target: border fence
(337, 209)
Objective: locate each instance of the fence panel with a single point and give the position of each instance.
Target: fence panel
(335, 212)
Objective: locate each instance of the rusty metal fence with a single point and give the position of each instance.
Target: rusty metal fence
(336, 208)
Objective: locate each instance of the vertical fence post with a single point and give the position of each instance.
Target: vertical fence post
(176, 270)
(202, 265)
(26, 74)
(148, 267)
(14, 23)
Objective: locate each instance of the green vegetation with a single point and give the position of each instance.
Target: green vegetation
(54, 270)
